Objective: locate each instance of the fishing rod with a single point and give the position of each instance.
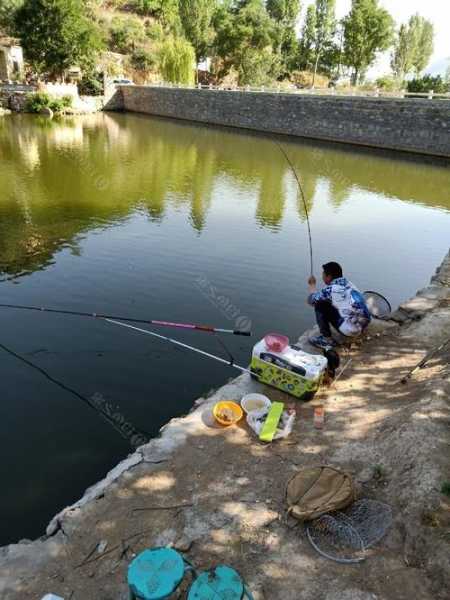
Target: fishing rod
(126, 429)
(229, 363)
(304, 203)
(191, 326)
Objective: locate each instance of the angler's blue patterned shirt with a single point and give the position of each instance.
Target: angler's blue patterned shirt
(348, 301)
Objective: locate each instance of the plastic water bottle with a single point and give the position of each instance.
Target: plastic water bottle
(319, 417)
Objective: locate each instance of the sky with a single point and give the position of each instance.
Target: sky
(437, 11)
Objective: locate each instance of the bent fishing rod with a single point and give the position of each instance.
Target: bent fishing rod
(285, 154)
(191, 326)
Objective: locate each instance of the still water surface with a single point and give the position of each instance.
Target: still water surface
(156, 219)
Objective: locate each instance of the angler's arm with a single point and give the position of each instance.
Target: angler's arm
(317, 296)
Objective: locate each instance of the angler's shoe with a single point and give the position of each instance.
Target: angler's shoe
(322, 342)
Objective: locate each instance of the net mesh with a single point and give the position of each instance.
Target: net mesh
(345, 536)
(377, 304)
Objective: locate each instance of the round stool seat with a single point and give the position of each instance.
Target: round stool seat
(222, 583)
(155, 574)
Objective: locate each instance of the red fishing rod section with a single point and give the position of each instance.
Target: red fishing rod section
(191, 326)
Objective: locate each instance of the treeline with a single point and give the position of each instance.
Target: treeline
(248, 42)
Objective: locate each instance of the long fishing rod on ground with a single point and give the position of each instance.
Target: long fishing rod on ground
(229, 363)
(191, 326)
(283, 151)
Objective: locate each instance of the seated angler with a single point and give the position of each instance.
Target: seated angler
(339, 304)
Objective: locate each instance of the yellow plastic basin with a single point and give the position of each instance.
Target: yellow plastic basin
(227, 412)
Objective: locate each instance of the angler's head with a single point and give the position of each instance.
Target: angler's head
(331, 270)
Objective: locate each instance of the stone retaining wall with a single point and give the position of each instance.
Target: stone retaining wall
(413, 125)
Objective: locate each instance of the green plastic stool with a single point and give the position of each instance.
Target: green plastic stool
(155, 574)
(221, 583)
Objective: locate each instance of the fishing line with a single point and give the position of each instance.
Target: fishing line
(304, 203)
(66, 388)
(191, 326)
(229, 363)
(224, 347)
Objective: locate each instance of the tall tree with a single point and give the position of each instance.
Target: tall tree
(324, 30)
(368, 29)
(306, 46)
(196, 17)
(413, 47)
(403, 53)
(285, 13)
(176, 60)
(56, 34)
(245, 40)
(425, 45)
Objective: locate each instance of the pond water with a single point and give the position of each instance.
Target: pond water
(152, 218)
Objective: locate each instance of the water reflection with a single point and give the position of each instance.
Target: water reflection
(61, 179)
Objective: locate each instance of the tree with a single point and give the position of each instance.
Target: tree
(165, 10)
(8, 9)
(413, 47)
(285, 14)
(125, 33)
(425, 44)
(368, 29)
(325, 24)
(176, 60)
(403, 54)
(306, 46)
(196, 17)
(245, 40)
(56, 34)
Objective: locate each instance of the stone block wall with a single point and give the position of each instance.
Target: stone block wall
(414, 125)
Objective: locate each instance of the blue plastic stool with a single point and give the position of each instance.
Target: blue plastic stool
(221, 583)
(155, 574)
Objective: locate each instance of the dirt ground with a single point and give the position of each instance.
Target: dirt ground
(218, 494)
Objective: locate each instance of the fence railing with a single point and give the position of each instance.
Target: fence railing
(307, 91)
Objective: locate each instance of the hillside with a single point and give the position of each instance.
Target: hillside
(132, 39)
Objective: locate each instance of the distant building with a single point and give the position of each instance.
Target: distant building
(11, 58)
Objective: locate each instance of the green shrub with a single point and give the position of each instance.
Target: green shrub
(91, 84)
(146, 7)
(36, 102)
(143, 60)
(389, 83)
(428, 83)
(166, 11)
(155, 32)
(125, 33)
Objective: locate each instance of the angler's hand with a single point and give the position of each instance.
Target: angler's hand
(312, 280)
